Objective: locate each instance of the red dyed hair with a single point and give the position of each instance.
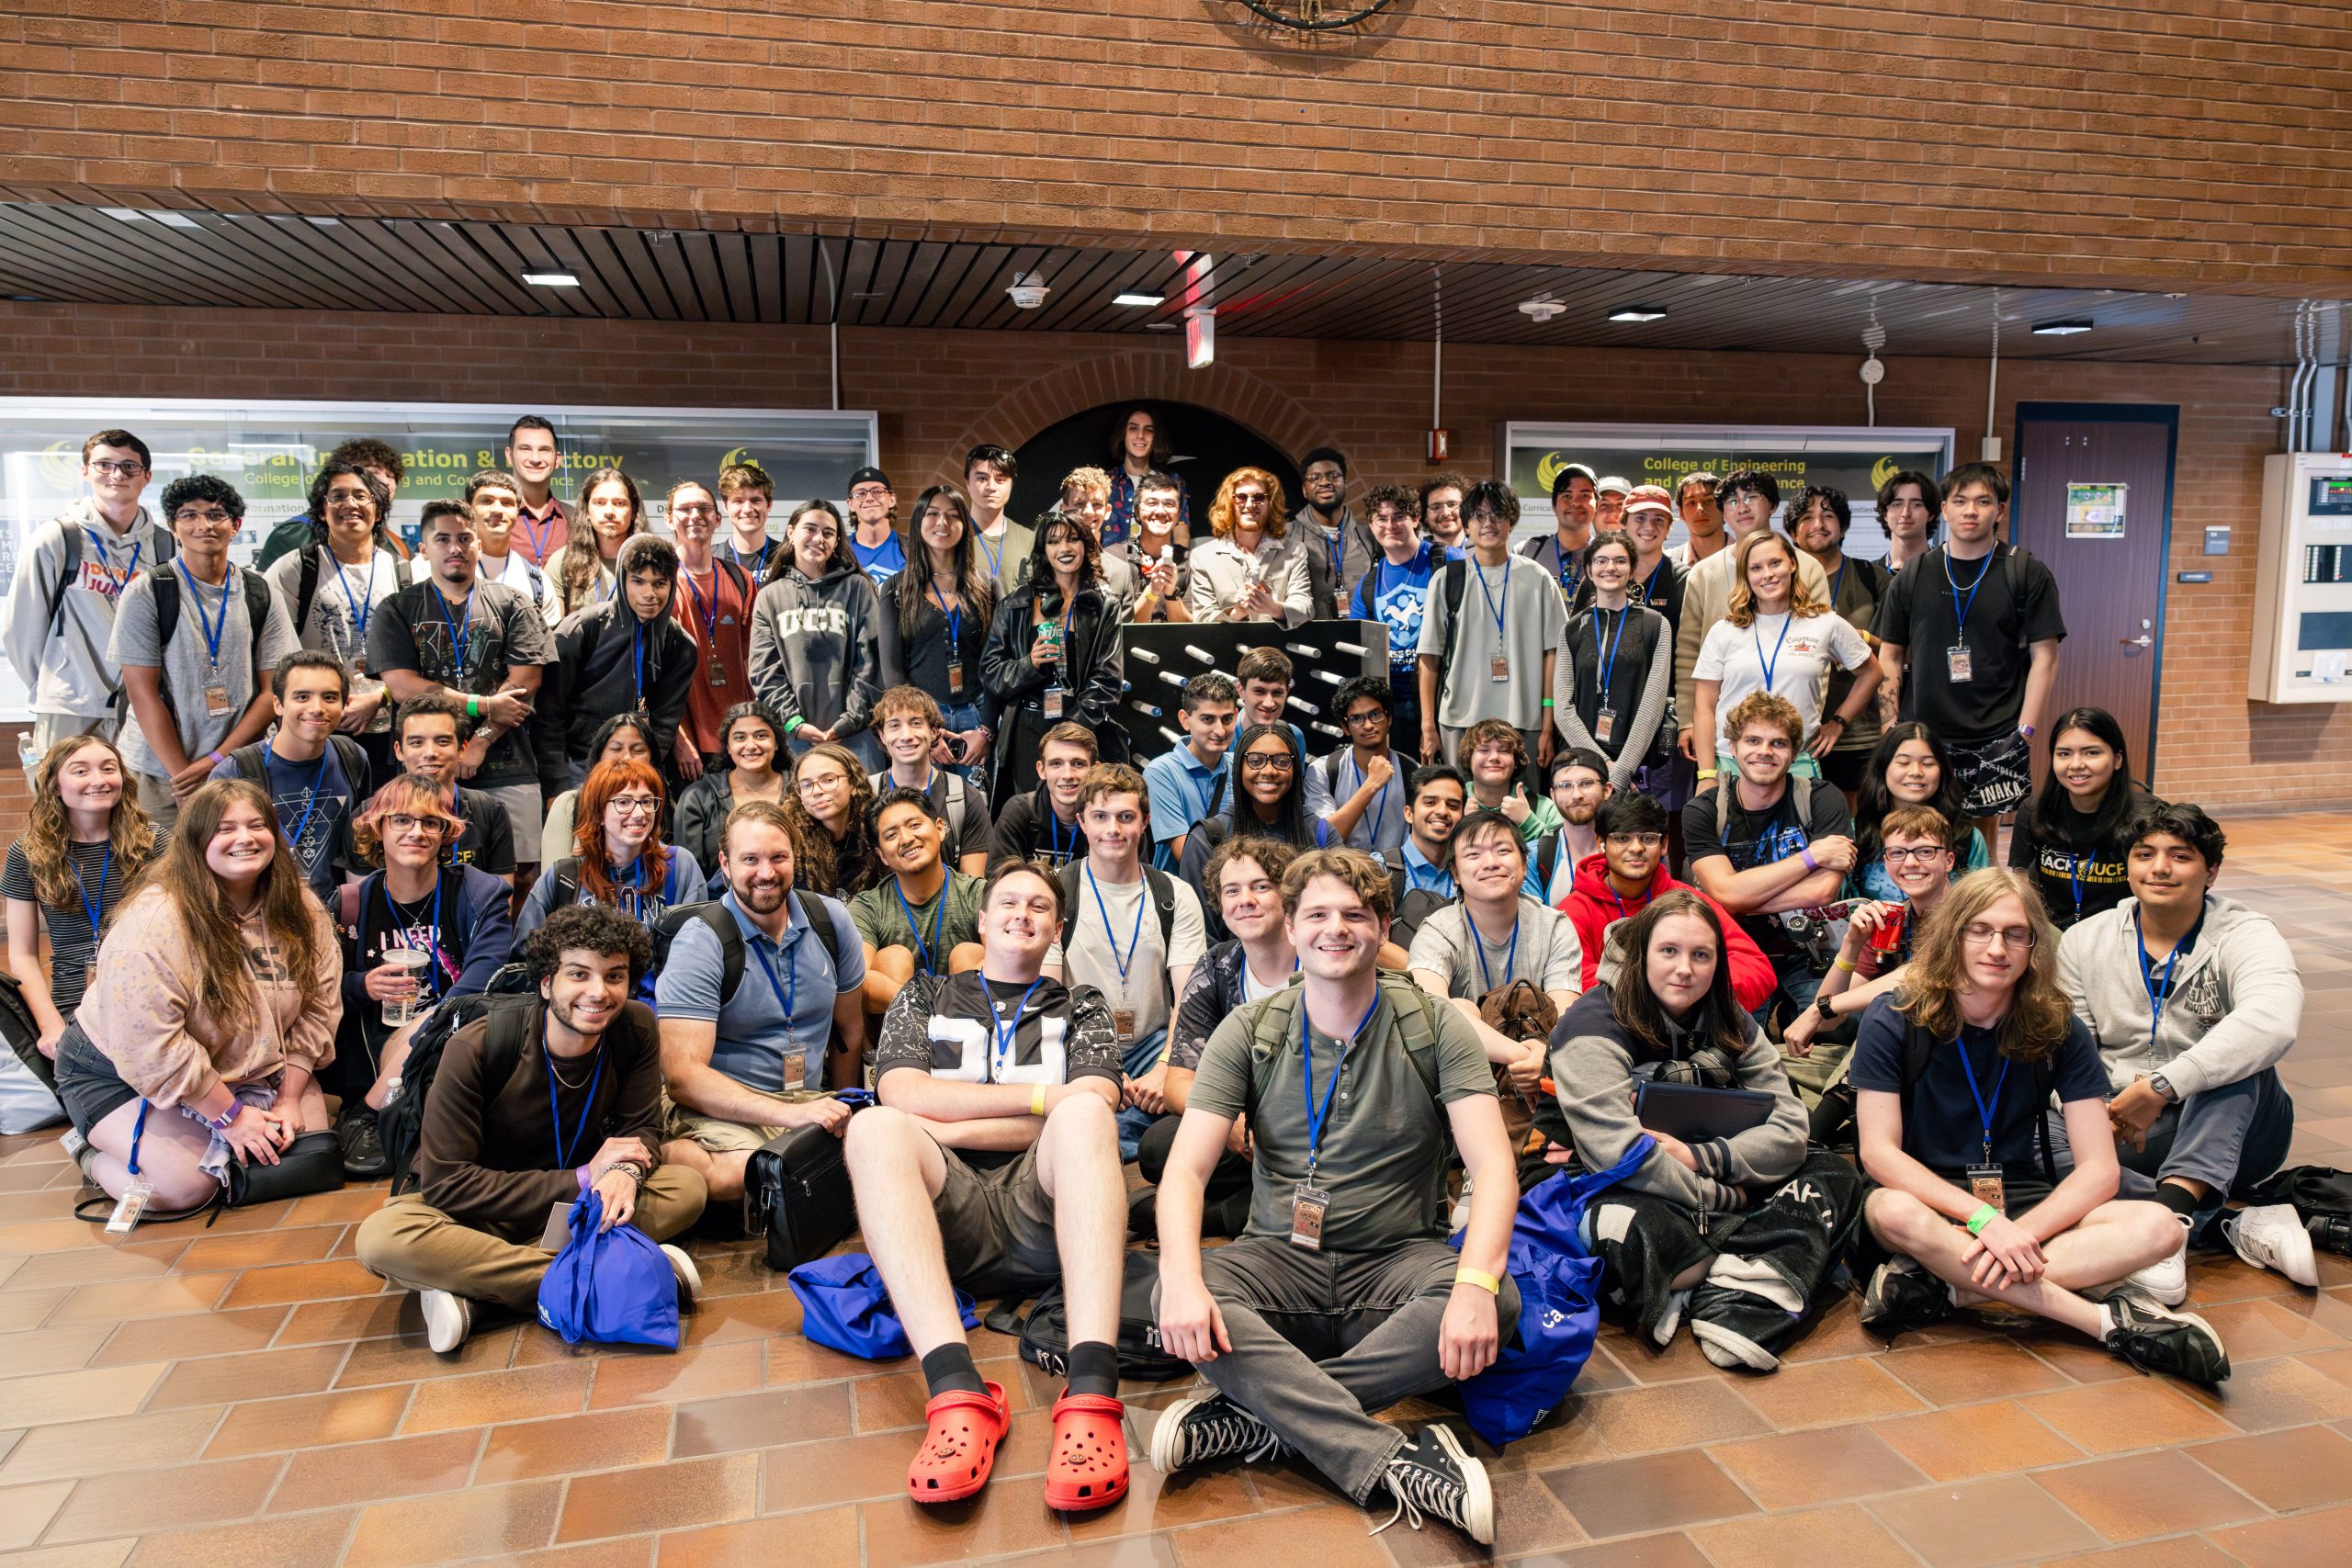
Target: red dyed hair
(606, 780)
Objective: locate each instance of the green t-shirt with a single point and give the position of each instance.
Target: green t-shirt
(881, 918)
(1385, 1143)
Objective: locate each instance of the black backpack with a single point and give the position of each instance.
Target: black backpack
(1833, 1120)
(253, 762)
(710, 912)
(1163, 901)
(164, 587)
(1043, 1329)
(507, 1002)
(306, 583)
(69, 566)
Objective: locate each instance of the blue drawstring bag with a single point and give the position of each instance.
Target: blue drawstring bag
(1559, 1308)
(614, 1288)
(843, 1307)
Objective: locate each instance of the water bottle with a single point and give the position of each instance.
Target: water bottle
(28, 756)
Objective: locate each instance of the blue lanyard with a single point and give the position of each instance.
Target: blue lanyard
(1316, 1116)
(564, 1150)
(1609, 672)
(759, 562)
(1053, 829)
(1486, 593)
(98, 548)
(1959, 610)
(1339, 543)
(1002, 1030)
(92, 908)
(212, 628)
(707, 614)
(1567, 567)
(1770, 664)
(433, 943)
(458, 626)
(1984, 1111)
(637, 635)
(636, 884)
(1838, 582)
(310, 799)
(538, 538)
(995, 557)
(1649, 589)
(938, 918)
(1478, 942)
(2159, 992)
(1135, 937)
(787, 995)
(367, 605)
(2074, 877)
(604, 585)
(954, 618)
(1378, 801)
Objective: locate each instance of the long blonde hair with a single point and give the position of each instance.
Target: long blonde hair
(49, 845)
(224, 981)
(1929, 994)
(1740, 609)
(1221, 516)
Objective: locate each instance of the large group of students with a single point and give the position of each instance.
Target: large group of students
(1613, 819)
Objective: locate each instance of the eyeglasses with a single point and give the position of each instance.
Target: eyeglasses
(869, 492)
(810, 783)
(1268, 762)
(1978, 934)
(1926, 854)
(401, 822)
(1366, 716)
(1250, 498)
(118, 467)
(631, 804)
(203, 514)
(1628, 840)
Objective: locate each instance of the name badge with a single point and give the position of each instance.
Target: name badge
(216, 701)
(954, 680)
(359, 665)
(1498, 668)
(1958, 664)
(718, 671)
(1604, 725)
(1987, 1183)
(1308, 1206)
(796, 1069)
(1053, 701)
(132, 1203)
(1123, 1022)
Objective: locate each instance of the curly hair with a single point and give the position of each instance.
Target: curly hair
(1740, 609)
(48, 848)
(1221, 516)
(1273, 858)
(1089, 480)
(378, 499)
(1929, 994)
(1720, 1020)
(606, 780)
(817, 855)
(588, 928)
(576, 567)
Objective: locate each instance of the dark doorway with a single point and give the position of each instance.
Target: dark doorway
(1203, 446)
(2113, 586)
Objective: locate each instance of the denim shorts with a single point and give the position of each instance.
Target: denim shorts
(88, 1084)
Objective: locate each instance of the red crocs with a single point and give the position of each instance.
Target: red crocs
(959, 1449)
(1089, 1467)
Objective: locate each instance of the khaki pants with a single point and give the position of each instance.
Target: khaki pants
(416, 1247)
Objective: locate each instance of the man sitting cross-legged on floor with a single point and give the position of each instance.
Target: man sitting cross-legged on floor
(1952, 1073)
(1342, 1297)
(992, 1163)
(531, 1107)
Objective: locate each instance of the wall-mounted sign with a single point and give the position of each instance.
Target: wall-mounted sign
(2094, 511)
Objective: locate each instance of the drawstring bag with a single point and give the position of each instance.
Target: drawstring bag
(612, 1287)
(843, 1307)
(1559, 1307)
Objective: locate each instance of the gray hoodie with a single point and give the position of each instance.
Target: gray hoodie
(816, 649)
(69, 674)
(2235, 1003)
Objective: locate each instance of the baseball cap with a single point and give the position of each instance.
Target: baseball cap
(871, 475)
(1614, 484)
(1649, 496)
(1568, 472)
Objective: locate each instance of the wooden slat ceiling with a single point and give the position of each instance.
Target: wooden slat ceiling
(115, 255)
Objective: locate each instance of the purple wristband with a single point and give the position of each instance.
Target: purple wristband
(583, 1174)
(1810, 863)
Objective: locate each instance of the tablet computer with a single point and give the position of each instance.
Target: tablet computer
(1694, 1112)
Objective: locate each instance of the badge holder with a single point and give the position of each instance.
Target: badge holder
(1604, 725)
(1308, 1203)
(956, 680)
(136, 1197)
(1123, 1023)
(1053, 703)
(1498, 668)
(1988, 1184)
(216, 700)
(1959, 667)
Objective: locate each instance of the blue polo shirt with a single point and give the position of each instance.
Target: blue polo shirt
(1421, 873)
(1181, 786)
(754, 1036)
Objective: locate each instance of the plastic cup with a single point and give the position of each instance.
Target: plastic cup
(417, 1003)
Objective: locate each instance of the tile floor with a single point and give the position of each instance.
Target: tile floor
(246, 1394)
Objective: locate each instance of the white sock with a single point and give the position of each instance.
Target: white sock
(2106, 1320)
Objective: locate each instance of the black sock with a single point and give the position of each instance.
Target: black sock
(950, 1369)
(1094, 1369)
(2178, 1199)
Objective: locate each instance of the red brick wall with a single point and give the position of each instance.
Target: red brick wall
(2171, 139)
(938, 392)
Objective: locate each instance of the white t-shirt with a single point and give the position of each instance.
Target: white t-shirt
(1546, 951)
(1736, 657)
(1252, 989)
(1145, 988)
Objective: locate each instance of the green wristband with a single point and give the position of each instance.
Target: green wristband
(794, 723)
(473, 707)
(1985, 1215)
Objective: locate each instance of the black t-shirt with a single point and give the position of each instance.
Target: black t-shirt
(2015, 604)
(416, 629)
(1944, 1132)
(487, 842)
(1028, 828)
(1593, 635)
(2080, 874)
(1715, 823)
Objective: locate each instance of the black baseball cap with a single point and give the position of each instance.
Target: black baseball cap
(871, 475)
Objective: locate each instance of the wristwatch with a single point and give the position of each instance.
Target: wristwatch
(1821, 1009)
(2163, 1086)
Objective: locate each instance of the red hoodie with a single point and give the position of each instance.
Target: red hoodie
(1593, 906)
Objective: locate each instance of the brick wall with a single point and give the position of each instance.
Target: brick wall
(939, 392)
(2167, 141)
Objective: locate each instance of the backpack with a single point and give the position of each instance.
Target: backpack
(2010, 560)
(70, 568)
(1412, 906)
(880, 783)
(306, 584)
(1163, 899)
(507, 1003)
(259, 595)
(1274, 1023)
(1043, 1329)
(253, 762)
(710, 912)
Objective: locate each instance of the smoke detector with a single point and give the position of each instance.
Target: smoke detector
(1542, 310)
(1028, 290)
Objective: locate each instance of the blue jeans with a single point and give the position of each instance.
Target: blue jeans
(2229, 1137)
(961, 716)
(1137, 1059)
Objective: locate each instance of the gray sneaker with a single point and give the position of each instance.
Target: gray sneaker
(2156, 1338)
(1434, 1476)
(1195, 1431)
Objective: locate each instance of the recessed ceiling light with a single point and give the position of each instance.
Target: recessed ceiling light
(175, 219)
(552, 279)
(2067, 328)
(1160, 326)
(1542, 310)
(1132, 297)
(1638, 313)
(124, 214)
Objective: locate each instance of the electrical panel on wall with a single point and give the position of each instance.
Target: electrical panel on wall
(2303, 602)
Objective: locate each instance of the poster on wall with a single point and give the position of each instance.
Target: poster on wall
(269, 450)
(2094, 511)
(1856, 460)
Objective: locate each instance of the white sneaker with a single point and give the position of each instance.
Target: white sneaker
(689, 1276)
(2273, 1238)
(1460, 1218)
(2165, 1280)
(447, 1319)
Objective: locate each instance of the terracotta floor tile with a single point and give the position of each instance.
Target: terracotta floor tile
(528, 1450)
(276, 1426)
(369, 1473)
(75, 1449)
(771, 1418)
(2176, 1552)
(1973, 1370)
(257, 1374)
(181, 1339)
(360, 1317)
(1333, 1536)
(24, 1511)
(2008, 1519)
(2283, 1470)
(829, 1536)
(705, 1373)
(627, 1551)
(1645, 1419)
(1844, 1536)
(472, 1523)
(2111, 1418)
(1529, 1520)
(796, 1360)
(139, 1502)
(77, 1396)
(95, 1265)
(1654, 1491)
(1010, 1516)
(2305, 1540)
(1566, 1437)
(406, 1359)
(896, 1400)
(660, 1496)
(1159, 1501)
(524, 1394)
(260, 1249)
(1672, 1549)
(1646, 1363)
(2281, 1392)
(299, 1541)
(2255, 1329)
(21, 1310)
(1799, 1470)
(88, 1554)
(1828, 1393)
(752, 1314)
(121, 1299)
(63, 1349)
(1975, 1440)
(2144, 1495)
(848, 1470)
(2079, 1358)
(347, 1207)
(303, 1282)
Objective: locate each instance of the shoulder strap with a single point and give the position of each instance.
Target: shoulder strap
(1163, 899)
(166, 588)
(1457, 583)
(742, 578)
(1800, 790)
(1070, 905)
(259, 595)
(1270, 1023)
(502, 1043)
(69, 566)
(821, 921)
(1416, 1021)
(306, 586)
(354, 759)
(1547, 857)
(567, 883)
(251, 762)
(1217, 793)
(1332, 771)
(955, 808)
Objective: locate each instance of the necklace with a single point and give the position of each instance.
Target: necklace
(570, 1083)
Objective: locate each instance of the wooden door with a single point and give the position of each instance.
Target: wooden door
(2112, 573)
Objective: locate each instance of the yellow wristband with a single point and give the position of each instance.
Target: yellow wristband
(1705, 773)
(1465, 1275)
(1841, 963)
(1037, 1100)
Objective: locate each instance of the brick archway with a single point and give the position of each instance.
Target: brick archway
(1156, 373)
